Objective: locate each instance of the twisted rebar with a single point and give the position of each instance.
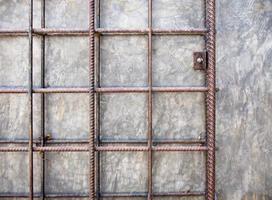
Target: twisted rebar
(92, 99)
(210, 99)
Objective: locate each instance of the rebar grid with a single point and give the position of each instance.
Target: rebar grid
(94, 145)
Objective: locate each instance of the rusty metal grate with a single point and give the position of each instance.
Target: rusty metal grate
(94, 146)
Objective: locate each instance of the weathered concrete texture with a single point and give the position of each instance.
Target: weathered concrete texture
(14, 14)
(123, 116)
(14, 61)
(127, 172)
(14, 172)
(66, 61)
(183, 116)
(123, 61)
(14, 116)
(66, 172)
(123, 172)
(244, 101)
(172, 69)
(128, 120)
(243, 109)
(67, 116)
(185, 173)
(70, 14)
(9, 59)
(177, 14)
(127, 14)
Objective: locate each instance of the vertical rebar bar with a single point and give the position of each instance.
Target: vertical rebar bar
(150, 128)
(92, 99)
(211, 99)
(30, 99)
(97, 75)
(42, 100)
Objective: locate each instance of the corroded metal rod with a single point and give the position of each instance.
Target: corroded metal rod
(102, 31)
(210, 99)
(75, 148)
(18, 90)
(91, 146)
(111, 195)
(106, 141)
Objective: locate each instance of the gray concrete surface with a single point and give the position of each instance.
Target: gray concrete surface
(244, 102)
(244, 76)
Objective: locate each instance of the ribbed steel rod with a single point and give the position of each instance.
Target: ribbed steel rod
(91, 147)
(60, 32)
(110, 195)
(201, 32)
(82, 148)
(102, 31)
(154, 148)
(97, 104)
(18, 90)
(210, 98)
(106, 141)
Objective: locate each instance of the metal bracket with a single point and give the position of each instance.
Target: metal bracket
(200, 60)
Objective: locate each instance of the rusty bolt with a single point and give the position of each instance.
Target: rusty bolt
(48, 137)
(199, 60)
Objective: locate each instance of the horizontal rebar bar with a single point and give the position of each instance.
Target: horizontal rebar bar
(45, 32)
(108, 195)
(154, 148)
(103, 148)
(153, 31)
(60, 32)
(106, 141)
(17, 90)
(83, 32)
(13, 32)
(202, 32)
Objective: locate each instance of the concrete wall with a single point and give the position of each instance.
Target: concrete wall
(244, 76)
